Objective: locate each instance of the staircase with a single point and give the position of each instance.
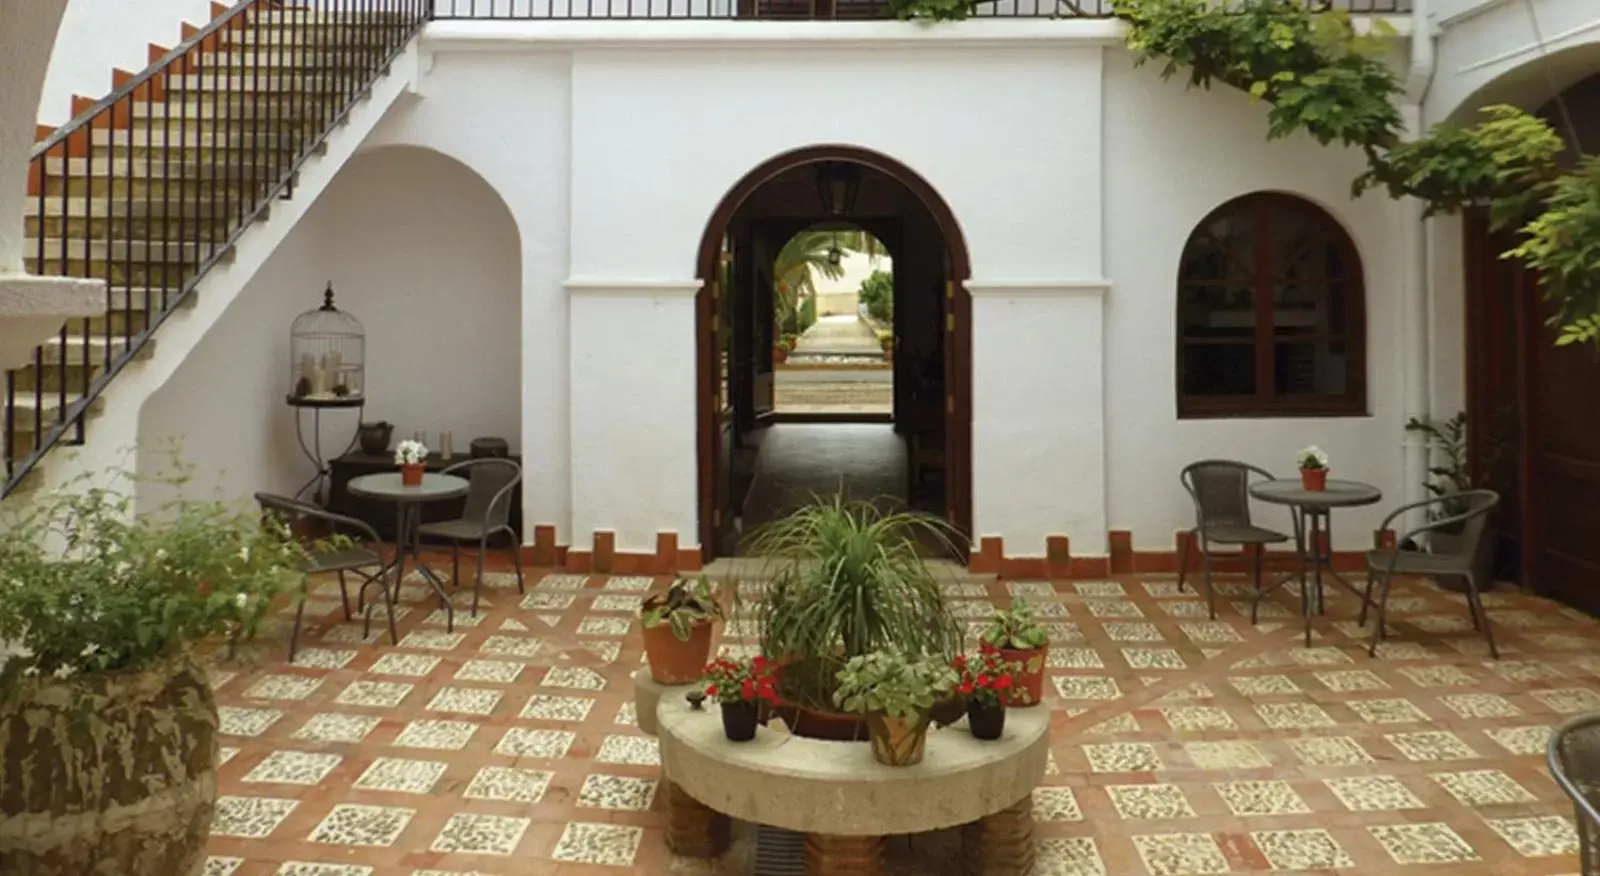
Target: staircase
(154, 186)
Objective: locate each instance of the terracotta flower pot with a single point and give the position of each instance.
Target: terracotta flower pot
(1029, 689)
(673, 661)
(780, 355)
(115, 773)
(411, 475)
(986, 721)
(1314, 479)
(739, 720)
(898, 741)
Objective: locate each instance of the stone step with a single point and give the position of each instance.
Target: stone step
(225, 166)
(196, 187)
(43, 410)
(162, 138)
(263, 112)
(275, 57)
(324, 39)
(312, 82)
(138, 251)
(139, 229)
(118, 271)
(98, 207)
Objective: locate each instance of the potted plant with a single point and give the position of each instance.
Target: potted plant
(886, 341)
(677, 630)
(1313, 469)
(845, 579)
(742, 687)
(108, 723)
(412, 457)
(780, 351)
(985, 680)
(895, 693)
(1015, 634)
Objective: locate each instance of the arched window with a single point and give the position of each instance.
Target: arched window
(1270, 319)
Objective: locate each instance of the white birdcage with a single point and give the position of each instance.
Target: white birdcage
(327, 356)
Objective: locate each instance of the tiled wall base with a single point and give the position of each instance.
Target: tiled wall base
(1059, 562)
(604, 558)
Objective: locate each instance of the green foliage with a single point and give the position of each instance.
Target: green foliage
(877, 295)
(1016, 627)
(1317, 74)
(808, 314)
(1449, 473)
(803, 258)
(890, 683)
(1507, 161)
(931, 10)
(87, 586)
(1562, 245)
(685, 604)
(846, 579)
(1321, 78)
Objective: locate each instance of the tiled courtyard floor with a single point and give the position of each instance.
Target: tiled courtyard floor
(1179, 746)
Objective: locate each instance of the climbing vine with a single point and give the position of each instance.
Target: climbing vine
(1319, 77)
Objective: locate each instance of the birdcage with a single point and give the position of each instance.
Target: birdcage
(327, 358)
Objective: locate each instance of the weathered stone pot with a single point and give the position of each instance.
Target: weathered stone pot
(110, 775)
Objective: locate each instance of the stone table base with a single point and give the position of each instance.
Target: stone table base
(829, 855)
(1000, 844)
(693, 829)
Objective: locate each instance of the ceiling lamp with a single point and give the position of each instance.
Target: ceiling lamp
(835, 255)
(838, 183)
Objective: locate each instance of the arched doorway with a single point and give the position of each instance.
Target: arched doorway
(812, 187)
(1531, 421)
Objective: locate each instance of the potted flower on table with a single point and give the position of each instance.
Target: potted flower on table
(1016, 636)
(741, 687)
(1313, 469)
(677, 630)
(985, 680)
(412, 457)
(895, 693)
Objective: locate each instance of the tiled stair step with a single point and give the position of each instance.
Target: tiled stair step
(117, 272)
(100, 206)
(158, 138)
(140, 251)
(191, 187)
(294, 16)
(188, 228)
(205, 170)
(78, 351)
(263, 111)
(48, 407)
(279, 57)
(322, 39)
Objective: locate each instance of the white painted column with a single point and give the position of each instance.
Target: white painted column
(1414, 331)
(1038, 413)
(634, 452)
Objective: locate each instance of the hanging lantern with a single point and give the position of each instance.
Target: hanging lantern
(838, 184)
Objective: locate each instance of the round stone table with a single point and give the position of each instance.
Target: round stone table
(843, 800)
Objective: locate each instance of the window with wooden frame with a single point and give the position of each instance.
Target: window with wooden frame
(1270, 314)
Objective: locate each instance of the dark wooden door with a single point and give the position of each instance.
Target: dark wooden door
(958, 403)
(1534, 423)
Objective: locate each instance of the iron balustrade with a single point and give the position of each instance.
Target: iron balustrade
(806, 10)
(152, 186)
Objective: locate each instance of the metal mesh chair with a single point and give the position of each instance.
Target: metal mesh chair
(357, 558)
(1220, 489)
(1472, 518)
(486, 515)
(1574, 757)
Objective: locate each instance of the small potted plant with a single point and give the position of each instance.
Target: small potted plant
(741, 687)
(677, 630)
(412, 457)
(1313, 469)
(1016, 636)
(984, 680)
(895, 693)
(886, 341)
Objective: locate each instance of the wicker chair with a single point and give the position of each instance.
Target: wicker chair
(357, 558)
(1461, 560)
(486, 515)
(1575, 763)
(1220, 489)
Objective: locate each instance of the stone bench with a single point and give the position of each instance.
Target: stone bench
(843, 800)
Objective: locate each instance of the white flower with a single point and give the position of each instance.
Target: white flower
(31, 670)
(243, 599)
(410, 453)
(64, 671)
(161, 554)
(1313, 458)
(89, 650)
(244, 553)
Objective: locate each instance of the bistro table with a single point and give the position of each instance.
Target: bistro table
(408, 502)
(1314, 509)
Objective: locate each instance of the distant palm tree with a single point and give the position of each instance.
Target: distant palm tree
(798, 263)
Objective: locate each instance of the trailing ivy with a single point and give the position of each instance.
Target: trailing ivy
(1321, 78)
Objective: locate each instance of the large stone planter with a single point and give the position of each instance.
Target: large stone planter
(112, 776)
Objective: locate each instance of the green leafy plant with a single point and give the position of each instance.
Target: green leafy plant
(931, 10)
(985, 676)
(87, 586)
(893, 684)
(686, 603)
(877, 295)
(1562, 245)
(847, 579)
(1015, 628)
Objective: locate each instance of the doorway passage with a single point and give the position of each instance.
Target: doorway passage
(911, 449)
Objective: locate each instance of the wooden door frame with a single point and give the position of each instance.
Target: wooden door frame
(958, 444)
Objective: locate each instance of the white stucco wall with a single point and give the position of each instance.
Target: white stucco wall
(97, 35)
(425, 254)
(1172, 156)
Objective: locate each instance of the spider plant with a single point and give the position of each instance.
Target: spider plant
(846, 579)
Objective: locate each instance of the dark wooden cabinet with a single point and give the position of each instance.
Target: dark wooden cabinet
(381, 515)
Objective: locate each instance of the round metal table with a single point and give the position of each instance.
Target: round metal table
(408, 502)
(1312, 522)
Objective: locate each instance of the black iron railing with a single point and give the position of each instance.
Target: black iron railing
(803, 10)
(152, 186)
